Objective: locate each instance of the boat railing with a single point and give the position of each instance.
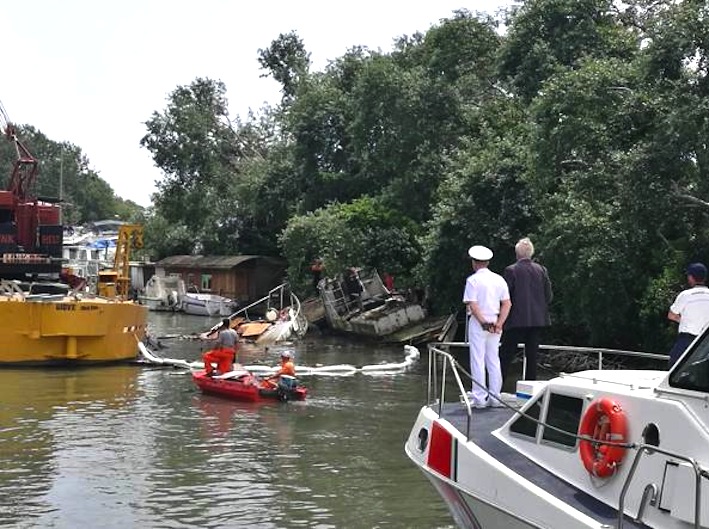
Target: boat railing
(11, 288)
(295, 305)
(599, 352)
(442, 364)
(650, 493)
(278, 292)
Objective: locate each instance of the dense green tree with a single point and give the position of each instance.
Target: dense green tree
(64, 173)
(163, 239)
(484, 199)
(287, 61)
(584, 126)
(617, 175)
(546, 37)
(195, 145)
(364, 232)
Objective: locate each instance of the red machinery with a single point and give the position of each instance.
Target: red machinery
(31, 233)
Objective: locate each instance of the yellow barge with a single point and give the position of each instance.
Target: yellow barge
(69, 331)
(57, 324)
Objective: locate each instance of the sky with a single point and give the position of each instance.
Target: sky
(91, 73)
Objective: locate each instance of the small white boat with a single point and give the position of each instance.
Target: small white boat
(163, 293)
(204, 304)
(588, 450)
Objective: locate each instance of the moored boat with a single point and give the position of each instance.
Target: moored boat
(592, 449)
(205, 304)
(243, 385)
(163, 293)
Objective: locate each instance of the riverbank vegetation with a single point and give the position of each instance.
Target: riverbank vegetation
(582, 124)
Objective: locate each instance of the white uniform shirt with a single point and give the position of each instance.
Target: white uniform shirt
(693, 307)
(488, 290)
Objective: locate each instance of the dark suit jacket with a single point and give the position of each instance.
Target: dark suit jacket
(530, 293)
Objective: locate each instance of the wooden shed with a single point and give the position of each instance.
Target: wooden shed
(244, 278)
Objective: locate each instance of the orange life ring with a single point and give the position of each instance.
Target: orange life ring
(604, 421)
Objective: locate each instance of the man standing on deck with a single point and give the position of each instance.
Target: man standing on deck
(487, 299)
(531, 294)
(224, 352)
(690, 309)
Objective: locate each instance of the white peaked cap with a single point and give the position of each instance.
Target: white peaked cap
(480, 253)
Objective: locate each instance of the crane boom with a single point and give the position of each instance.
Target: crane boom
(24, 172)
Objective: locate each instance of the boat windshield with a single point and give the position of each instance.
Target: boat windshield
(692, 372)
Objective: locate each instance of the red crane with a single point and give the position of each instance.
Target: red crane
(31, 234)
(24, 173)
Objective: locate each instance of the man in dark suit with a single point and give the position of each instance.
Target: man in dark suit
(531, 294)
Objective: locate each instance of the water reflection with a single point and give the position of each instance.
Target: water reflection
(142, 447)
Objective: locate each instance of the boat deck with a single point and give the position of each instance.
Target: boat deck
(485, 421)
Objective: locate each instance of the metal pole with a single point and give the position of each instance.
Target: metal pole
(61, 185)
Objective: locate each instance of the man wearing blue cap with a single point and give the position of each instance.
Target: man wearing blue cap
(487, 299)
(690, 309)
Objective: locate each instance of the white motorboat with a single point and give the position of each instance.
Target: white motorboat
(163, 293)
(592, 449)
(204, 304)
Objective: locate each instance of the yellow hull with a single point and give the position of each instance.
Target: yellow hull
(70, 331)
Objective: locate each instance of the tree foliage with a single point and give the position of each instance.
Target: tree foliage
(64, 173)
(286, 61)
(362, 232)
(583, 126)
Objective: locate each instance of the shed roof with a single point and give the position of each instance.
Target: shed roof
(223, 262)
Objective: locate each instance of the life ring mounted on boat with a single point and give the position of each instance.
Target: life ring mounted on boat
(603, 422)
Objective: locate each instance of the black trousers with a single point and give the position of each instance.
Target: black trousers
(530, 337)
(681, 343)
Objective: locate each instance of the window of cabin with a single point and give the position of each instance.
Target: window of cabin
(190, 281)
(562, 420)
(206, 282)
(692, 372)
(524, 424)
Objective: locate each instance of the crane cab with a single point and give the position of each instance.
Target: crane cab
(107, 284)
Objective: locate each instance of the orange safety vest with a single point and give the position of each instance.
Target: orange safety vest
(287, 368)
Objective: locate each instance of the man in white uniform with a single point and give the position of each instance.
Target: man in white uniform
(487, 299)
(690, 310)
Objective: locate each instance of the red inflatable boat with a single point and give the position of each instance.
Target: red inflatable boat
(245, 386)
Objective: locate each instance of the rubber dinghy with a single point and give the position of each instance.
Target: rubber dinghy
(245, 386)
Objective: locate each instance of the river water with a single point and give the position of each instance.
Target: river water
(141, 447)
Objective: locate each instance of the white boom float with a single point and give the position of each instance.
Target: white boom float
(412, 355)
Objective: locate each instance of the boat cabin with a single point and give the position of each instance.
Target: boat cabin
(576, 450)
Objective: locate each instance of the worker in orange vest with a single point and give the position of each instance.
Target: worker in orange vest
(286, 369)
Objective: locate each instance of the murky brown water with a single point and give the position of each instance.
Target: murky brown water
(129, 446)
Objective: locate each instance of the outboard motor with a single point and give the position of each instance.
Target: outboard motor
(286, 386)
